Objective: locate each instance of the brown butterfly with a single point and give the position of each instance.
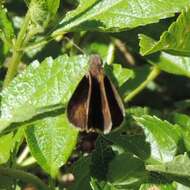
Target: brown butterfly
(95, 104)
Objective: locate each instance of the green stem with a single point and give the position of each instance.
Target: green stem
(24, 176)
(52, 183)
(152, 75)
(17, 53)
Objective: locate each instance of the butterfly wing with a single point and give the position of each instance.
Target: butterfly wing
(99, 117)
(116, 106)
(77, 106)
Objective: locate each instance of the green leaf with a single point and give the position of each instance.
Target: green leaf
(176, 40)
(51, 142)
(6, 28)
(134, 144)
(100, 159)
(5, 147)
(81, 172)
(9, 144)
(41, 85)
(126, 170)
(184, 121)
(53, 5)
(97, 185)
(98, 47)
(180, 186)
(117, 15)
(179, 166)
(162, 136)
(119, 74)
(140, 75)
(172, 64)
(41, 12)
(149, 186)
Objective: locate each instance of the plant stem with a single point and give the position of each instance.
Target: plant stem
(17, 53)
(152, 75)
(24, 176)
(52, 183)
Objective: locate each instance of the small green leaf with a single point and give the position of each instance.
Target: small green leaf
(41, 86)
(101, 185)
(101, 157)
(177, 65)
(126, 170)
(119, 74)
(176, 40)
(5, 147)
(134, 144)
(51, 142)
(6, 28)
(140, 75)
(184, 121)
(81, 172)
(179, 166)
(41, 12)
(10, 143)
(162, 136)
(181, 119)
(117, 15)
(53, 5)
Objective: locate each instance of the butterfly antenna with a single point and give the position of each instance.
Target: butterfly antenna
(75, 45)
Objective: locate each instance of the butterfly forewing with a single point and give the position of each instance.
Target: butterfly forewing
(115, 103)
(78, 105)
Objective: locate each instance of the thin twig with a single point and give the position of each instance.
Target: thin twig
(152, 75)
(17, 54)
(24, 176)
(110, 55)
(122, 47)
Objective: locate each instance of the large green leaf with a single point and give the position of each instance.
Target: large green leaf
(176, 40)
(51, 142)
(41, 85)
(172, 64)
(179, 166)
(162, 136)
(117, 15)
